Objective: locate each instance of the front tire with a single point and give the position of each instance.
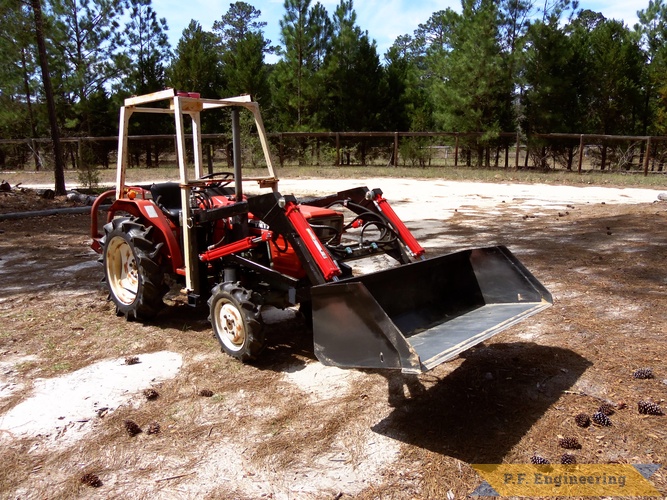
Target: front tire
(237, 322)
(133, 276)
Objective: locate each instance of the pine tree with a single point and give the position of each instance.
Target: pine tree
(196, 65)
(19, 70)
(88, 39)
(652, 28)
(304, 38)
(470, 87)
(143, 59)
(243, 47)
(353, 75)
(146, 51)
(40, 38)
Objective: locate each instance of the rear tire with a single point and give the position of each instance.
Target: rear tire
(133, 275)
(237, 322)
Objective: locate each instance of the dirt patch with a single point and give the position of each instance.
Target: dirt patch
(287, 427)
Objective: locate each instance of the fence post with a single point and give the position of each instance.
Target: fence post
(647, 155)
(337, 149)
(456, 150)
(79, 153)
(581, 152)
(209, 153)
(35, 154)
(395, 149)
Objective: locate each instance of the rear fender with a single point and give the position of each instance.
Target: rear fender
(151, 215)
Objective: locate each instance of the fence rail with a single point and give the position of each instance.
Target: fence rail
(580, 152)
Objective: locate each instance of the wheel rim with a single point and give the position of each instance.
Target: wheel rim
(229, 325)
(122, 272)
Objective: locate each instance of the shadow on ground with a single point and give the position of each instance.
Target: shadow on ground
(289, 342)
(484, 407)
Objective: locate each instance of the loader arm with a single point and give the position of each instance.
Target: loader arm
(283, 217)
(361, 200)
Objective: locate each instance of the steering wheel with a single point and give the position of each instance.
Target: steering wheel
(227, 178)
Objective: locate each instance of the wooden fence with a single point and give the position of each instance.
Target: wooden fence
(580, 152)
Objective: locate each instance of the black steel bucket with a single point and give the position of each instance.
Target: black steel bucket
(416, 316)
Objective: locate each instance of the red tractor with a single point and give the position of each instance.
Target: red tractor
(242, 252)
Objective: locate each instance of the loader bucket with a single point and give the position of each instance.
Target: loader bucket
(416, 316)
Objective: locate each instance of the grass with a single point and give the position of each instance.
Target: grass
(107, 177)
(61, 366)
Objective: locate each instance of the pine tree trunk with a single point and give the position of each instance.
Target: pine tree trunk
(59, 167)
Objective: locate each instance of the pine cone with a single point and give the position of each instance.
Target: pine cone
(567, 459)
(601, 419)
(207, 393)
(132, 428)
(131, 360)
(649, 408)
(643, 373)
(150, 394)
(607, 409)
(582, 420)
(538, 460)
(91, 479)
(153, 428)
(569, 443)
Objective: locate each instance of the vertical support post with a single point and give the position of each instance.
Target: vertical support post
(581, 152)
(236, 151)
(122, 151)
(238, 165)
(253, 107)
(647, 155)
(196, 143)
(190, 256)
(517, 152)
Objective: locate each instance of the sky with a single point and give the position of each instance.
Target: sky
(385, 20)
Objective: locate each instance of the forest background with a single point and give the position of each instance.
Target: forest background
(495, 66)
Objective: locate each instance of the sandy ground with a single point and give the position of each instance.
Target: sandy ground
(289, 427)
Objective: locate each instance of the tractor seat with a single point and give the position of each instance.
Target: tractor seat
(167, 196)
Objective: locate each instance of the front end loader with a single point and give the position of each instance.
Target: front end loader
(240, 252)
